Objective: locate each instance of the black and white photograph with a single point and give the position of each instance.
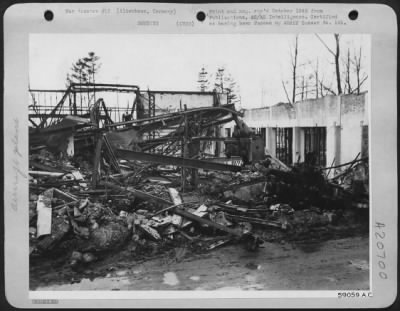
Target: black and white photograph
(211, 155)
(203, 162)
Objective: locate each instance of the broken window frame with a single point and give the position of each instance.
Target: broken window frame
(315, 142)
(284, 144)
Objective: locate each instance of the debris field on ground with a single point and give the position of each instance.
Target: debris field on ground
(124, 188)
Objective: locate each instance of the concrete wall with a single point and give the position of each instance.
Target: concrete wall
(173, 101)
(353, 116)
(343, 116)
(317, 112)
(313, 112)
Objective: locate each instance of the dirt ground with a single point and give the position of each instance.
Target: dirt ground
(330, 265)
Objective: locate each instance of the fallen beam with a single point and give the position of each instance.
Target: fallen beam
(210, 223)
(255, 221)
(182, 162)
(46, 168)
(212, 138)
(137, 193)
(113, 161)
(60, 183)
(42, 173)
(225, 109)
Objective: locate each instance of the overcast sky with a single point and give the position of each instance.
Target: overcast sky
(259, 63)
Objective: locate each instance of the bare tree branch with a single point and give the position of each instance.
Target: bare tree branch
(347, 73)
(327, 88)
(336, 56)
(287, 95)
(359, 86)
(323, 42)
(357, 61)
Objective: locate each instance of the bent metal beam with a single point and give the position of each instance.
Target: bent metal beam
(182, 162)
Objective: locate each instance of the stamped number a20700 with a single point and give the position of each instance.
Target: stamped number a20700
(380, 251)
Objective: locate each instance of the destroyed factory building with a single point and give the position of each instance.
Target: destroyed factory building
(113, 167)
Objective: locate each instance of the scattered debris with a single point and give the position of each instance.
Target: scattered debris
(360, 264)
(123, 187)
(195, 278)
(170, 278)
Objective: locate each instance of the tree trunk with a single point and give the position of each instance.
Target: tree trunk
(294, 71)
(358, 69)
(337, 59)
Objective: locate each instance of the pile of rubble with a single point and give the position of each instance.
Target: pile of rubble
(83, 211)
(97, 189)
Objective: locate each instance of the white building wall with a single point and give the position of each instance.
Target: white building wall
(174, 101)
(353, 116)
(343, 117)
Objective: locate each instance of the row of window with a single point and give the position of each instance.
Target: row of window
(314, 144)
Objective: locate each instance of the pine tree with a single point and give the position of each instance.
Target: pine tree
(219, 80)
(83, 71)
(92, 66)
(225, 83)
(203, 80)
